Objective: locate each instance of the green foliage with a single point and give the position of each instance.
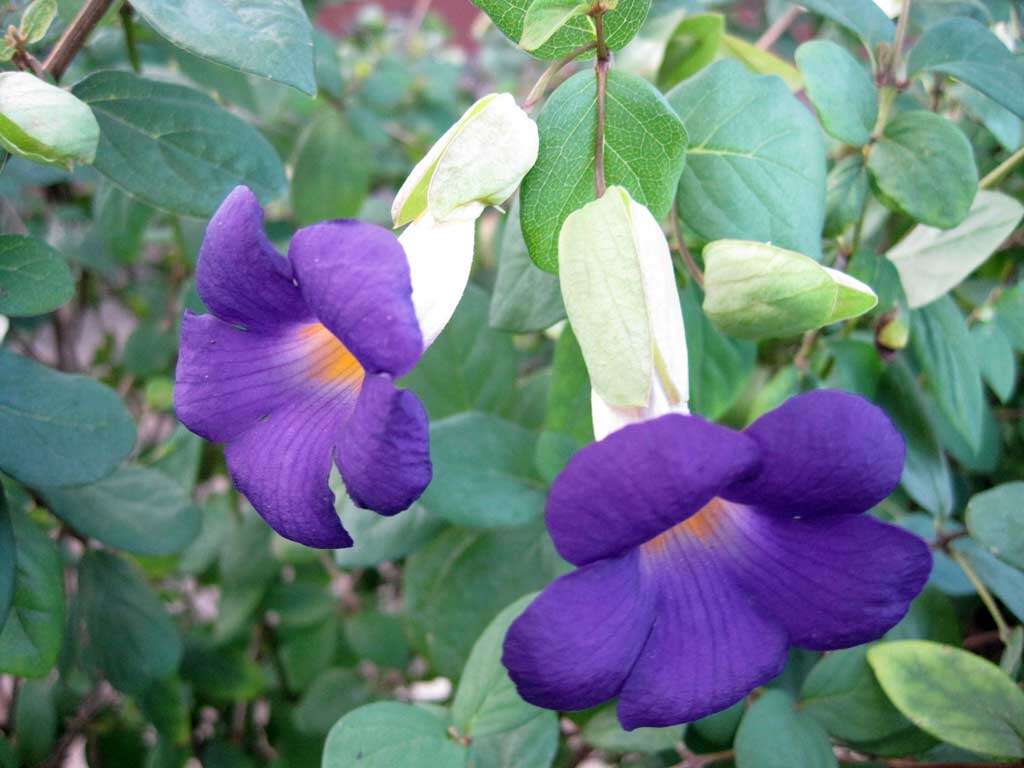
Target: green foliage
(645, 148)
(954, 695)
(186, 152)
(148, 614)
(756, 166)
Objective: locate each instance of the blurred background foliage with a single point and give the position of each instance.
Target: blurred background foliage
(153, 619)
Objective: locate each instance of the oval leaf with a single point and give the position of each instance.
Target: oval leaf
(34, 279)
(993, 518)
(59, 429)
(952, 694)
(387, 734)
(173, 147)
(840, 89)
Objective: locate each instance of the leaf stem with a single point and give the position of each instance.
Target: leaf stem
(600, 185)
(537, 92)
(984, 594)
(778, 28)
(74, 37)
(1002, 170)
(677, 234)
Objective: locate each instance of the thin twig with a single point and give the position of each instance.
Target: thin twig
(984, 594)
(537, 92)
(602, 89)
(1003, 170)
(688, 261)
(778, 28)
(74, 37)
(803, 355)
(98, 699)
(419, 15)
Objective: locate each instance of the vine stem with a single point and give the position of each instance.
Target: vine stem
(74, 37)
(1002, 170)
(537, 92)
(778, 28)
(600, 185)
(984, 594)
(688, 261)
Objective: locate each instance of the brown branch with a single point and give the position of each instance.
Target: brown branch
(74, 37)
(602, 90)
(98, 699)
(537, 92)
(688, 261)
(778, 28)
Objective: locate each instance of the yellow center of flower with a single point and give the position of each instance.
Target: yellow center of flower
(330, 361)
(700, 526)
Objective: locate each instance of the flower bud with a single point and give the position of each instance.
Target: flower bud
(620, 295)
(479, 161)
(755, 291)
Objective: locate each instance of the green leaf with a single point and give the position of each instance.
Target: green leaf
(692, 46)
(459, 582)
(132, 638)
(603, 288)
(545, 17)
(36, 20)
(841, 90)
(36, 717)
(923, 166)
(995, 356)
(31, 636)
(525, 298)
(220, 673)
(486, 700)
(173, 147)
(842, 694)
(761, 62)
(484, 474)
(720, 367)
(34, 279)
(756, 166)
(470, 366)
(941, 344)
(120, 220)
(149, 350)
(165, 703)
(603, 732)
(534, 743)
(965, 49)
(59, 429)
(377, 537)
(8, 559)
(862, 17)
(387, 734)
(135, 509)
(1009, 310)
(269, 38)
(331, 175)
(1007, 128)
(568, 407)
(952, 694)
(620, 25)
(378, 637)
(334, 693)
(773, 734)
(933, 261)
(926, 474)
(43, 123)
(645, 148)
(1011, 660)
(993, 518)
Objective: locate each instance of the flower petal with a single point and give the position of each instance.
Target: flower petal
(641, 481)
(824, 452)
(440, 259)
(384, 453)
(282, 466)
(240, 276)
(228, 380)
(355, 279)
(832, 582)
(574, 645)
(709, 647)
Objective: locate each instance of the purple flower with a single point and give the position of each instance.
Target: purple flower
(705, 553)
(294, 368)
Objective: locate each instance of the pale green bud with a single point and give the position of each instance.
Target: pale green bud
(480, 161)
(44, 123)
(755, 291)
(616, 276)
